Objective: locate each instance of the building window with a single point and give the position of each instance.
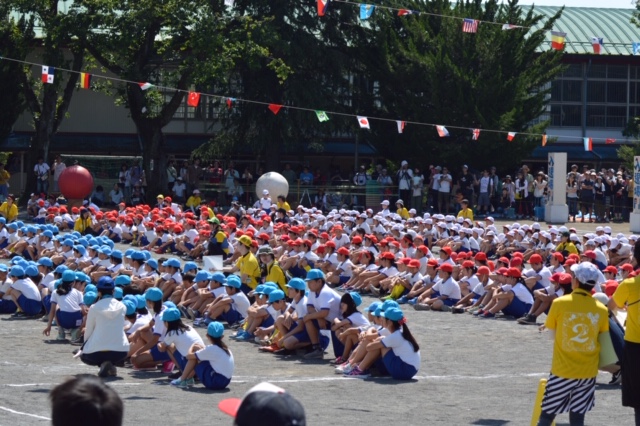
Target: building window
(596, 91)
(617, 92)
(596, 116)
(566, 115)
(617, 72)
(571, 90)
(616, 116)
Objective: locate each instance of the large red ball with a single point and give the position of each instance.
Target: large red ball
(75, 182)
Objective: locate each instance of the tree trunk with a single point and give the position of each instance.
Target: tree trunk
(154, 158)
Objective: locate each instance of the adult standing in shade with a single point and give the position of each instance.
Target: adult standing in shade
(57, 169)
(41, 170)
(404, 177)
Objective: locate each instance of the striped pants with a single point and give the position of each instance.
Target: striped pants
(562, 395)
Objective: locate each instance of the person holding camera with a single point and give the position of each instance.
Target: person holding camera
(41, 169)
(404, 176)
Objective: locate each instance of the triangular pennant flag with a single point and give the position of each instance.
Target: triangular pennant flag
(228, 3)
(442, 131)
(506, 27)
(47, 74)
(405, 12)
(85, 80)
(401, 125)
(557, 40)
(609, 141)
(275, 109)
(597, 43)
(363, 122)
(366, 10)
(588, 144)
(230, 102)
(636, 48)
(511, 135)
(544, 139)
(145, 86)
(322, 7)
(476, 134)
(322, 116)
(470, 25)
(194, 99)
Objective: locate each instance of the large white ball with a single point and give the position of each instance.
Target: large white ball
(273, 182)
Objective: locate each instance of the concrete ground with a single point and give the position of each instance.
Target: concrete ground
(474, 372)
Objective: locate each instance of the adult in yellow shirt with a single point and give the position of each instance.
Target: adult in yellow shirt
(193, 202)
(282, 203)
(628, 295)
(466, 212)
(271, 271)
(4, 182)
(9, 209)
(566, 244)
(576, 322)
(402, 210)
(247, 265)
(84, 223)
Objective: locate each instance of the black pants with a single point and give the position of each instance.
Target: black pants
(405, 195)
(97, 358)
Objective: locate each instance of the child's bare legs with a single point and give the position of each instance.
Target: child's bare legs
(191, 364)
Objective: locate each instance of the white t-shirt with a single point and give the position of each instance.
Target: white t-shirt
(326, 299)
(445, 186)
(158, 326)
(221, 363)
(520, 291)
(27, 288)
(184, 340)
(346, 268)
(300, 307)
(448, 288)
(357, 319)
(342, 241)
(69, 302)
(240, 303)
(141, 321)
(402, 348)
(4, 287)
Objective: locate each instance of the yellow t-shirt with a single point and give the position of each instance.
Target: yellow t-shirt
(578, 320)
(276, 275)
(9, 213)
(284, 205)
(403, 213)
(4, 177)
(194, 201)
(629, 292)
(466, 213)
(569, 247)
(248, 265)
(81, 225)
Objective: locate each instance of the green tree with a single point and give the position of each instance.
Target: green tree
(176, 44)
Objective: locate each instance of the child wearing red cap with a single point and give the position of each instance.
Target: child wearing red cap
(428, 280)
(513, 298)
(343, 270)
(542, 298)
(443, 295)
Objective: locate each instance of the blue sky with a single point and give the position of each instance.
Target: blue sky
(616, 4)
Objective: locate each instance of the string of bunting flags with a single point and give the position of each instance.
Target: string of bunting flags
(193, 100)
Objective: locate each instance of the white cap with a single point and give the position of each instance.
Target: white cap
(412, 211)
(614, 242)
(265, 192)
(385, 202)
(535, 226)
(428, 221)
(599, 229)
(607, 229)
(490, 218)
(586, 273)
(574, 237)
(404, 163)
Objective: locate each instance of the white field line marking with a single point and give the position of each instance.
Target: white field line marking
(21, 385)
(35, 416)
(273, 379)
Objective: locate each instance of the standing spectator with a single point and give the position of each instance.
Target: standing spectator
(434, 188)
(376, 172)
(444, 190)
(361, 177)
(522, 194)
(485, 189)
(530, 186)
(599, 200)
(466, 182)
(587, 195)
(41, 169)
(179, 190)
(135, 173)
(231, 179)
(215, 173)
(194, 175)
(510, 188)
(609, 180)
(172, 174)
(497, 188)
(58, 168)
(572, 195)
(416, 190)
(184, 171)
(384, 178)
(619, 198)
(4, 182)
(289, 174)
(306, 177)
(124, 182)
(404, 177)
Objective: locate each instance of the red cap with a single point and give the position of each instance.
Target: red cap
(480, 256)
(405, 260)
(330, 244)
(446, 267)
(504, 260)
(264, 236)
(502, 271)
(559, 256)
(324, 236)
(343, 251)
(561, 278)
(356, 240)
(610, 287)
(483, 270)
(627, 267)
(320, 249)
(433, 263)
(589, 254)
(611, 269)
(414, 263)
(446, 250)
(513, 272)
(570, 262)
(468, 264)
(423, 249)
(535, 258)
(387, 255)
(517, 254)
(516, 261)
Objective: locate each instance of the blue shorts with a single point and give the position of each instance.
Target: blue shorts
(396, 367)
(231, 317)
(70, 225)
(298, 272)
(7, 306)
(209, 378)
(26, 255)
(450, 302)
(46, 302)
(144, 241)
(343, 280)
(189, 246)
(180, 360)
(538, 286)
(268, 322)
(463, 250)
(4, 244)
(159, 356)
(517, 308)
(69, 320)
(116, 238)
(29, 306)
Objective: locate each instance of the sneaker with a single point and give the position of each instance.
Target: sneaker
(271, 348)
(185, 311)
(421, 307)
(284, 352)
(315, 354)
(176, 382)
(487, 315)
(358, 374)
(445, 308)
(105, 369)
(457, 310)
(374, 290)
(167, 367)
(113, 371)
(18, 315)
(345, 368)
(337, 361)
(61, 334)
(527, 319)
(413, 301)
(193, 313)
(403, 300)
(78, 342)
(175, 375)
(245, 337)
(236, 325)
(239, 334)
(478, 313)
(616, 378)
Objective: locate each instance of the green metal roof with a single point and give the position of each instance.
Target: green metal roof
(583, 23)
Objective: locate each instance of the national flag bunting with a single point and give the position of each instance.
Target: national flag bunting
(193, 99)
(588, 144)
(442, 131)
(511, 135)
(366, 10)
(322, 116)
(609, 141)
(85, 80)
(636, 48)
(322, 7)
(47, 74)
(557, 40)
(275, 108)
(405, 12)
(476, 134)
(230, 102)
(363, 122)
(597, 43)
(401, 125)
(470, 25)
(544, 139)
(145, 86)
(506, 27)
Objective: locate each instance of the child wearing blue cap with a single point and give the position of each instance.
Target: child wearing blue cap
(66, 309)
(288, 324)
(257, 314)
(146, 356)
(208, 288)
(172, 279)
(6, 303)
(277, 307)
(213, 364)
(24, 293)
(178, 339)
(350, 318)
(142, 315)
(232, 307)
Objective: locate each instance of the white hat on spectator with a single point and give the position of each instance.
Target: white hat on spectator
(607, 229)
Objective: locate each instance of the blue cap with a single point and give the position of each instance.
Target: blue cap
(136, 255)
(153, 264)
(389, 304)
(271, 284)
(17, 271)
(81, 276)
(141, 302)
(276, 296)
(13, 226)
(45, 261)
(173, 262)
(80, 249)
(215, 329)
(202, 276)
(47, 234)
(153, 294)
(189, 266)
(357, 299)
(123, 280)
(3, 268)
(171, 314)
(128, 253)
(297, 283)
(90, 298)
(117, 254)
(31, 271)
(378, 312)
(169, 304)
(131, 306)
(83, 242)
(393, 314)
(60, 269)
(90, 287)
(147, 254)
(105, 283)
(372, 307)
(68, 243)
(233, 281)
(267, 290)
(315, 274)
(68, 276)
(17, 260)
(258, 290)
(3, 220)
(105, 250)
(218, 276)
(117, 293)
